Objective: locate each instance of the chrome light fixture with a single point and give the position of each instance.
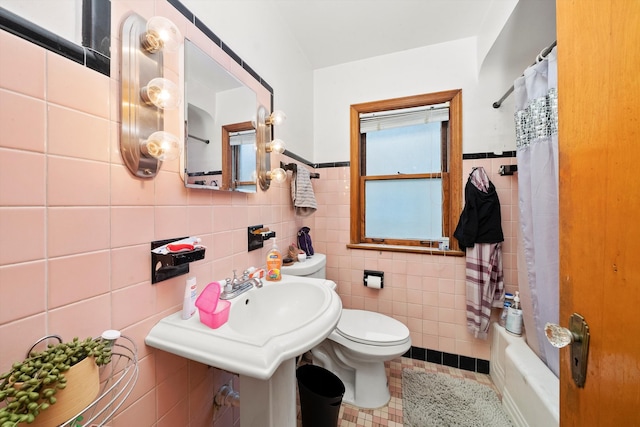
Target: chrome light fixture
(276, 118)
(145, 94)
(160, 33)
(264, 148)
(162, 93)
(161, 145)
(276, 146)
(277, 175)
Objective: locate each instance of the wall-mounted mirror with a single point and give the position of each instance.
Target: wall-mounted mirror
(220, 149)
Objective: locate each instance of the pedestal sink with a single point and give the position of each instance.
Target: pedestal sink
(267, 328)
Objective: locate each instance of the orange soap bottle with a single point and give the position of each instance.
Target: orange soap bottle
(274, 263)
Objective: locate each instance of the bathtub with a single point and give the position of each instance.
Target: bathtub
(530, 391)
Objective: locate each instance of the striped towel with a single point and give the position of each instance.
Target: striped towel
(304, 201)
(485, 286)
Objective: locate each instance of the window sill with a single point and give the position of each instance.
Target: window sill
(409, 249)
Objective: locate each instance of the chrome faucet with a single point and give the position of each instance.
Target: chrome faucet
(236, 286)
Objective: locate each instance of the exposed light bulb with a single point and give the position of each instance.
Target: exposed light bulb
(276, 118)
(162, 93)
(162, 145)
(161, 34)
(276, 146)
(277, 175)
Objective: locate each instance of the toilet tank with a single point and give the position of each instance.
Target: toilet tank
(314, 266)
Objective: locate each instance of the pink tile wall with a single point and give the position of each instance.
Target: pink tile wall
(76, 227)
(425, 292)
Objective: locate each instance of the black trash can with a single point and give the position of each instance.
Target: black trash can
(321, 394)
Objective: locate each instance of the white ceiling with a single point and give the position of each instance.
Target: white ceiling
(332, 32)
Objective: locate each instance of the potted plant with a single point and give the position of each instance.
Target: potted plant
(53, 384)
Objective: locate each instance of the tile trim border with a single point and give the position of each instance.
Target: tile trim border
(468, 156)
(466, 363)
(27, 30)
(475, 156)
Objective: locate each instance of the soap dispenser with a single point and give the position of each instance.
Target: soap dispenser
(274, 263)
(514, 317)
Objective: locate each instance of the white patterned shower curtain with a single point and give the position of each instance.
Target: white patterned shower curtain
(536, 120)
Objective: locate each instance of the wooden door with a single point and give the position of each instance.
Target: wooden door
(599, 145)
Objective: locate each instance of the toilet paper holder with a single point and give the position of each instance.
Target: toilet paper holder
(373, 273)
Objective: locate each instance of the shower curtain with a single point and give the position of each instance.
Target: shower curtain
(536, 120)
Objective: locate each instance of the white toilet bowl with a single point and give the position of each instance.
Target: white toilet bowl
(359, 346)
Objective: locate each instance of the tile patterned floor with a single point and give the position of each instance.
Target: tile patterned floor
(391, 415)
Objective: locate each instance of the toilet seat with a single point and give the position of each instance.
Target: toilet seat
(371, 328)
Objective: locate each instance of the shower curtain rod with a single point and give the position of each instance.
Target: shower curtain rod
(542, 55)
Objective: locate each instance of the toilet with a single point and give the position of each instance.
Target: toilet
(359, 346)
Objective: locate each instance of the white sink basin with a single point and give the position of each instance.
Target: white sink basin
(266, 326)
(276, 309)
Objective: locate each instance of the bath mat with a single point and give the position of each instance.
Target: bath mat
(438, 400)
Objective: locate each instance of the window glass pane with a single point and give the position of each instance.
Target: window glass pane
(406, 150)
(404, 209)
(246, 162)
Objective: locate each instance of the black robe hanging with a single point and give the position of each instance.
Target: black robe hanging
(480, 221)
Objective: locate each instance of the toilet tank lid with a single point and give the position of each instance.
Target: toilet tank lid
(309, 266)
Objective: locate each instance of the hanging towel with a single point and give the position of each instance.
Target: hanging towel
(480, 179)
(479, 232)
(485, 286)
(304, 201)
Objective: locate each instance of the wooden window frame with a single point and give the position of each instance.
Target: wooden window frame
(229, 169)
(452, 184)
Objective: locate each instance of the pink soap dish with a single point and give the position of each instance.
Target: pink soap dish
(213, 311)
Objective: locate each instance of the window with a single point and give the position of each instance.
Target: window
(239, 157)
(406, 172)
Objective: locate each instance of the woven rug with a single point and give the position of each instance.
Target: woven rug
(435, 399)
